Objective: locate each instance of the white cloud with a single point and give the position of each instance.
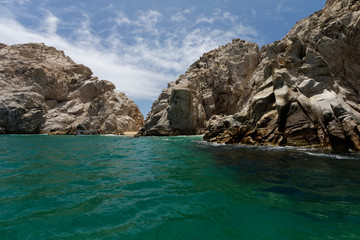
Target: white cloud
(133, 80)
(84, 35)
(205, 20)
(282, 8)
(51, 23)
(150, 17)
(190, 10)
(178, 17)
(147, 21)
(142, 66)
(121, 19)
(279, 9)
(217, 16)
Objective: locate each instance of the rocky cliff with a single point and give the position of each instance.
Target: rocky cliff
(215, 84)
(301, 91)
(44, 91)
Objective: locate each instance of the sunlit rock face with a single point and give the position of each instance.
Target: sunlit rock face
(44, 91)
(215, 84)
(300, 91)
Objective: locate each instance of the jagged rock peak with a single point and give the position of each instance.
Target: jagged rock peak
(339, 4)
(204, 90)
(43, 91)
(300, 91)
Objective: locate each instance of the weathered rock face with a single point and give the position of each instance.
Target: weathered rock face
(212, 85)
(44, 91)
(302, 91)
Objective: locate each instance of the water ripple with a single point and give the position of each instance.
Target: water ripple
(111, 187)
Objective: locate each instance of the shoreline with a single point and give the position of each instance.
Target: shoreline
(130, 133)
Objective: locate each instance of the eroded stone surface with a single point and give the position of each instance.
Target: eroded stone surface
(44, 91)
(215, 84)
(300, 91)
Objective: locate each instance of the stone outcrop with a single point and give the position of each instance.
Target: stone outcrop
(215, 84)
(301, 91)
(44, 91)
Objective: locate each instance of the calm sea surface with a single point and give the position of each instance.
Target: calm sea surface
(113, 187)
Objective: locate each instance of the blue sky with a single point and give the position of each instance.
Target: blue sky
(141, 45)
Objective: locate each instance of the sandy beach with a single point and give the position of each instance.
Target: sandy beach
(130, 133)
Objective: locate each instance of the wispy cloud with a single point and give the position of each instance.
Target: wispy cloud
(121, 19)
(190, 10)
(51, 23)
(217, 16)
(279, 9)
(147, 22)
(178, 17)
(137, 82)
(143, 60)
(282, 7)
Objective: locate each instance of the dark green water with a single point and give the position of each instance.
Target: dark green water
(109, 187)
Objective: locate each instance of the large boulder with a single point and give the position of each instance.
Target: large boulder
(22, 112)
(44, 91)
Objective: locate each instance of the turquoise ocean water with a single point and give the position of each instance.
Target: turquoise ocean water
(114, 187)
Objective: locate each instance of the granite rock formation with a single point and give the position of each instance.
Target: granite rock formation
(44, 91)
(301, 91)
(215, 84)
